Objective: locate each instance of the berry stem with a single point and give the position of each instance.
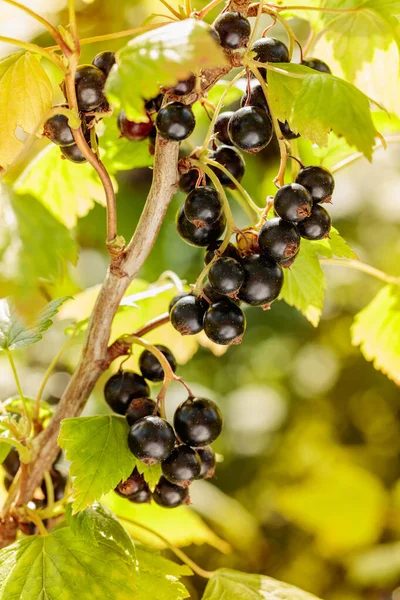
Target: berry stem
(254, 10)
(32, 516)
(243, 203)
(171, 9)
(360, 266)
(177, 551)
(19, 388)
(73, 26)
(172, 276)
(35, 49)
(204, 11)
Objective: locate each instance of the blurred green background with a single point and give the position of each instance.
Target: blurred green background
(308, 487)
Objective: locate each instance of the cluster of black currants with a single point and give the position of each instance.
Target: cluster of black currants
(183, 450)
(40, 500)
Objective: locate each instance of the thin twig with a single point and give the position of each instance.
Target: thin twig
(394, 139)
(360, 266)
(35, 49)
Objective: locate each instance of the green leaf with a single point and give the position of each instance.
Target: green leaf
(160, 57)
(14, 334)
(61, 566)
(229, 584)
(335, 245)
(121, 154)
(100, 458)
(97, 523)
(25, 96)
(317, 103)
(376, 329)
(151, 474)
(68, 191)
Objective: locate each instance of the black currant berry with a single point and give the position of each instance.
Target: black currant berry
(188, 181)
(11, 462)
(233, 29)
(182, 466)
(212, 297)
(279, 240)
(225, 323)
(203, 206)
(151, 368)
(151, 440)
(123, 387)
(288, 262)
(139, 408)
(175, 299)
(58, 131)
(221, 127)
(104, 61)
(257, 97)
(89, 85)
(132, 130)
(199, 236)
(317, 65)
(318, 181)
(169, 495)
(232, 160)
(153, 105)
(250, 129)
(230, 251)
(73, 154)
(287, 133)
(141, 497)
(187, 315)
(317, 226)
(208, 461)
(186, 86)
(263, 280)
(198, 422)
(134, 484)
(226, 276)
(293, 203)
(270, 50)
(175, 121)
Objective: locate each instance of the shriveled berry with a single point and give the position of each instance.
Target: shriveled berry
(58, 131)
(317, 226)
(288, 262)
(287, 133)
(199, 236)
(185, 86)
(150, 366)
(293, 203)
(317, 64)
(169, 495)
(89, 85)
(187, 315)
(318, 181)
(279, 240)
(188, 181)
(263, 280)
(208, 461)
(226, 276)
(134, 484)
(134, 131)
(257, 97)
(153, 105)
(203, 206)
(270, 49)
(221, 127)
(224, 323)
(104, 61)
(139, 408)
(122, 388)
(198, 422)
(233, 30)
(175, 121)
(182, 466)
(230, 251)
(232, 160)
(250, 129)
(151, 440)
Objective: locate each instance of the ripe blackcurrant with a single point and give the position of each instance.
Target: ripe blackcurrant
(226, 276)
(224, 323)
(207, 459)
(89, 85)
(257, 97)
(187, 315)
(221, 127)
(230, 251)
(11, 462)
(153, 105)
(212, 297)
(175, 299)
(188, 181)
(123, 387)
(151, 368)
(73, 153)
(131, 486)
(169, 495)
(132, 130)
(250, 129)
(185, 86)
(198, 422)
(141, 497)
(293, 203)
(104, 61)
(182, 466)
(317, 226)
(199, 236)
(263, 280)
(279, 239)
(139, 408)
(270, 50)
(58, 131)
(151, 440)
(203, 206)
(233, 30)
(175, 121)
(287, 133)
(318, 181)
(317, 65)
(232, 160)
